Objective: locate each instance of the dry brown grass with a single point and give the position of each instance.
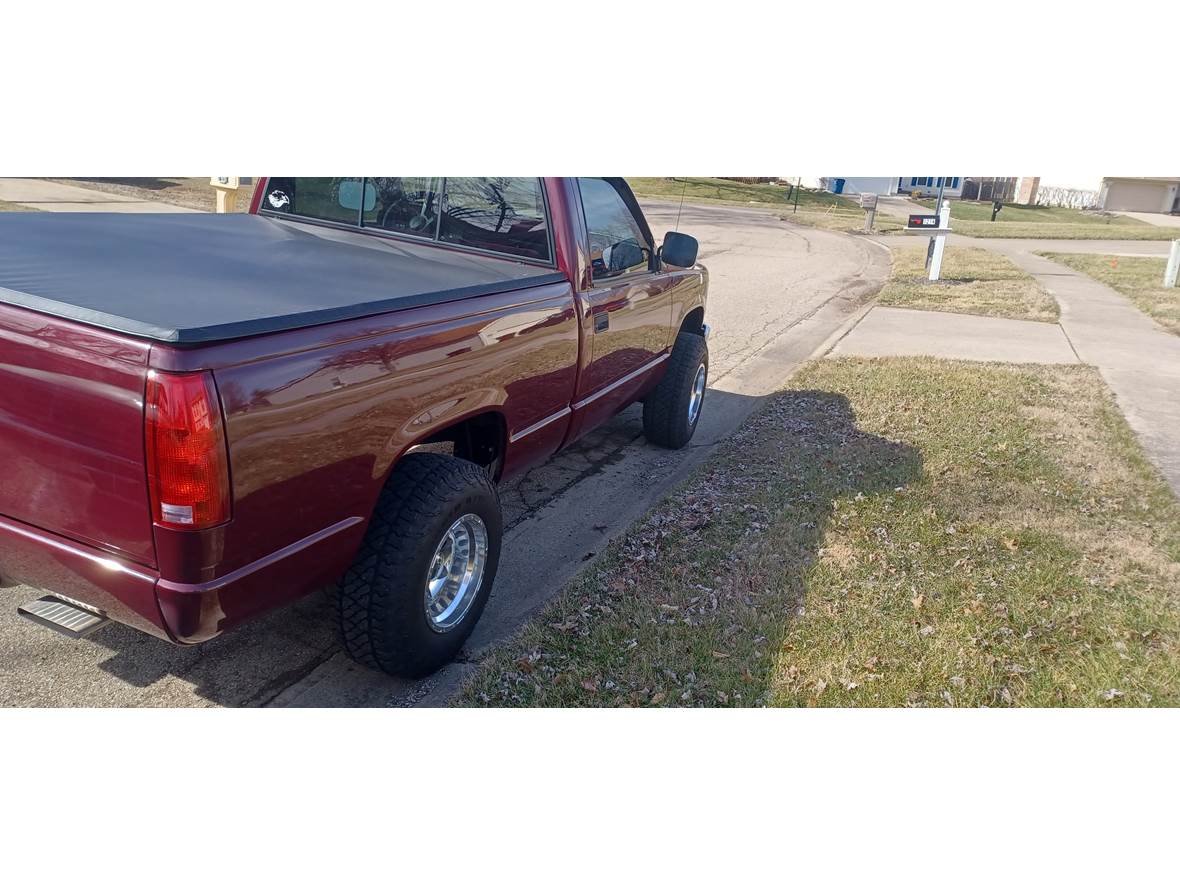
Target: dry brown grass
(884, 533)
(973, 281)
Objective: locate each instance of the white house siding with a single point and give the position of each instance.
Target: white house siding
(927, 185)
(855, 186)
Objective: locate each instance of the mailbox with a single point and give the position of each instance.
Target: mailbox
(868, 201)
(996, 207)
(922, 222)
(227, 192)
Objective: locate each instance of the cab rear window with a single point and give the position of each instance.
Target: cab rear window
(503, 215)
(496, 214)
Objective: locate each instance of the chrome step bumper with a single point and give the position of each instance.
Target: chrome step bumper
(64, 617)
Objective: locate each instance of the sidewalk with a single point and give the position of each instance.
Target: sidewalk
(1135, 356)
(1006, 245)
(51, 196)
(900, 331)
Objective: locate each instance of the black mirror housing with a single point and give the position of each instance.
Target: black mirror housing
(679, 249)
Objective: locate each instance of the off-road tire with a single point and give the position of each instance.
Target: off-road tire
(381, 608)
(665, 410)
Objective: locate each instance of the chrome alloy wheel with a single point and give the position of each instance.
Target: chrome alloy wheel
(456, 572)
(697, 396)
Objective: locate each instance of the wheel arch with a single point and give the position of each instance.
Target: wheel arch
(694, 321)
(479, 437)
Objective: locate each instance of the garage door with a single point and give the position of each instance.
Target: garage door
(1136, 196)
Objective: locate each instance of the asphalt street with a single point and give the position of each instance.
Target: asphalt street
(777, 292)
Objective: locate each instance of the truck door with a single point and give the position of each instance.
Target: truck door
(630, 303)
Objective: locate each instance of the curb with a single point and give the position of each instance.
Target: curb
(847, 326)
(853, 319)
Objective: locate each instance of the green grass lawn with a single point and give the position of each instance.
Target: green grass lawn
(1139, 278)
(725, 191)
(883, 533)
(847, 220)
(972, 281)
(815, 208)
(973, 219)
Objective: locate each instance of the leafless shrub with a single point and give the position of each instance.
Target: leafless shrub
(1067, 197)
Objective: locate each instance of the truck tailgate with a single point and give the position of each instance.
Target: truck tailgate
(71, 432)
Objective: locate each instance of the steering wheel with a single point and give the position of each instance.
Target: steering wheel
(393, 213)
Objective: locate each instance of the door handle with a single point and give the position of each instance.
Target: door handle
(601, 321)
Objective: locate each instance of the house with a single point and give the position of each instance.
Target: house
(927, 186)
(1140, 195)
(854, 186)
(919, 185)
(1026, 189)
(1002, 189)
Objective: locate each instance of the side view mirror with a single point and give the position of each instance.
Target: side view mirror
(679, 249)
(623, 255)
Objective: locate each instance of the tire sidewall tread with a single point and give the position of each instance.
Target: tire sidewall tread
(380, 601)
(665, 410)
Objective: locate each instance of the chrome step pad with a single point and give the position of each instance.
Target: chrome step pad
(59, 615)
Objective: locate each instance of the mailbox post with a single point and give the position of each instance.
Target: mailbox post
(996, 207)
(868, 202)
(940, 226)
(944, 224)
(227, 193)
(1173, 268)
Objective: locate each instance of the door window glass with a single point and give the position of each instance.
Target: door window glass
(618, 244)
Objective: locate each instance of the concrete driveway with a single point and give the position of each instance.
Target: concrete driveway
(1156, 218)
(53, 196)
(777, 292)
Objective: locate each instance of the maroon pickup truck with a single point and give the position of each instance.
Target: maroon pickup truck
(203, 417)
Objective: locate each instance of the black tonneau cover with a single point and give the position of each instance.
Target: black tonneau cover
(194, 278)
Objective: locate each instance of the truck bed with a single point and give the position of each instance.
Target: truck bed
(192, 279)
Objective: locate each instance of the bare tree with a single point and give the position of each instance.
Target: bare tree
(1067, 197)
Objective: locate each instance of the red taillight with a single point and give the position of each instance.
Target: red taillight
(187, 466)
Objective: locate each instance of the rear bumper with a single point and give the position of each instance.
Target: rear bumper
(198, 612)
(126, 592)
(177, 612)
